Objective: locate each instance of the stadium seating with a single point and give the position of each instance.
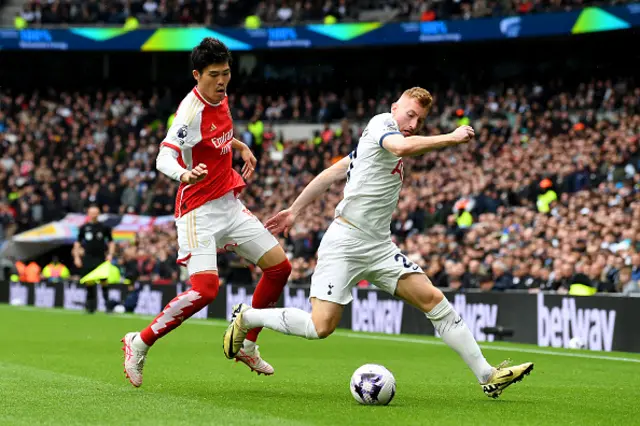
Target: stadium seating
(55, 158)
(272, 12)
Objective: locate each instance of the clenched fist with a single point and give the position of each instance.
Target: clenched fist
(463, 134)
(194, 175)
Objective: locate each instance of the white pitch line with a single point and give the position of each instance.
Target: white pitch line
(485, 347)
(217, 323)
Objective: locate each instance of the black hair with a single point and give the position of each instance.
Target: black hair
(209, 51)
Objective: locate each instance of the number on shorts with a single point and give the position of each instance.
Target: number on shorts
(353, 155)
(405, 262)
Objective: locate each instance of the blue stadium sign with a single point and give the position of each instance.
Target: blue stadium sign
(587, 20)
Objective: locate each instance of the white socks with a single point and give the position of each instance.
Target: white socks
(285, 320)
(445, 319)
(139, 345)
(249, 346)
(458, 337)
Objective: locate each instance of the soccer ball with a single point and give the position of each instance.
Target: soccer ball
(372, 384)
(576, 343)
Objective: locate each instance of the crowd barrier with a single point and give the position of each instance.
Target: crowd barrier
(603, 323)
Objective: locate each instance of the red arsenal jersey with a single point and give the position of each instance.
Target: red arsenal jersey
(202, 132)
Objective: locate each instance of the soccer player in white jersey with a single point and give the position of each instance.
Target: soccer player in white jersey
(357, 246)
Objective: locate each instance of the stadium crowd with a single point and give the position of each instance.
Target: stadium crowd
(276, 12)
(60, 152)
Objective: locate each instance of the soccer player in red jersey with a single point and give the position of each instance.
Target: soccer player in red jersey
(198, 152)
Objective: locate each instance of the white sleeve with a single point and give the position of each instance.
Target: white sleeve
(382, 126)
(184, 132)
(167, 163)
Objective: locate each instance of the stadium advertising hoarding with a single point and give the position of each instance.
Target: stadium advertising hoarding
(601, 322)
(588, 20)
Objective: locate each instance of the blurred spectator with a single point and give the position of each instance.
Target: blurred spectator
(503, 280)
(55, 271)
(60, 152)
(275, 12)
(626, 285)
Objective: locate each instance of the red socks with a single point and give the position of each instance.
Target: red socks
(268, 290)
(204, 289)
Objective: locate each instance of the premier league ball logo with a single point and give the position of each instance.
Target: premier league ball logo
(373, 384)
(182, 133)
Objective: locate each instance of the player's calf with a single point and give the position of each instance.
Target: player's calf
(417, 290)
(270, 287)
(325, 316)
(284, 320)
(203, 291)
(322, 321)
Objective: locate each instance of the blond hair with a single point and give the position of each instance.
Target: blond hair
(421, 95)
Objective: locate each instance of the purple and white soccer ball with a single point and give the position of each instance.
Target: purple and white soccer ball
(372, 384)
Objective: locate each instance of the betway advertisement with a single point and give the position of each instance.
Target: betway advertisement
(602, 323)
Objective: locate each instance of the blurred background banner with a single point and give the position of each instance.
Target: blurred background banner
(547, 320)
(48, 237)
(360, 34)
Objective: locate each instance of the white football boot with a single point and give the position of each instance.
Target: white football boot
(133, 359)
(253, 360)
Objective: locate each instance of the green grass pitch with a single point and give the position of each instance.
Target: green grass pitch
(62, 367)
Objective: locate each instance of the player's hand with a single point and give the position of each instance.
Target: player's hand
(463, 134)
(249, 163)
(281, 222)
(195, 175)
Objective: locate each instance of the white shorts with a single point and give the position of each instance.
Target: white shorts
(223, 223)
(347, 256)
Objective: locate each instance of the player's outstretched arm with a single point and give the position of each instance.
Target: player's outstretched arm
(282, 221)
(412, 146)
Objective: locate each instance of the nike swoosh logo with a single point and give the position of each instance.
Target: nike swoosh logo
(507, 375)
(458, 322)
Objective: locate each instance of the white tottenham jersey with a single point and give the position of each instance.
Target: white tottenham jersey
(374, 180)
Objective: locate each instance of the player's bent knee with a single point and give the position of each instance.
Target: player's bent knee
(437, 296)
(286, 266)
(274, 257)
(280, 270)
(324, 329)
(207, 284)
(417, 290)
(430, 298)
(325, 316)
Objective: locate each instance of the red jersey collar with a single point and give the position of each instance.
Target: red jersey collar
(199, 96)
